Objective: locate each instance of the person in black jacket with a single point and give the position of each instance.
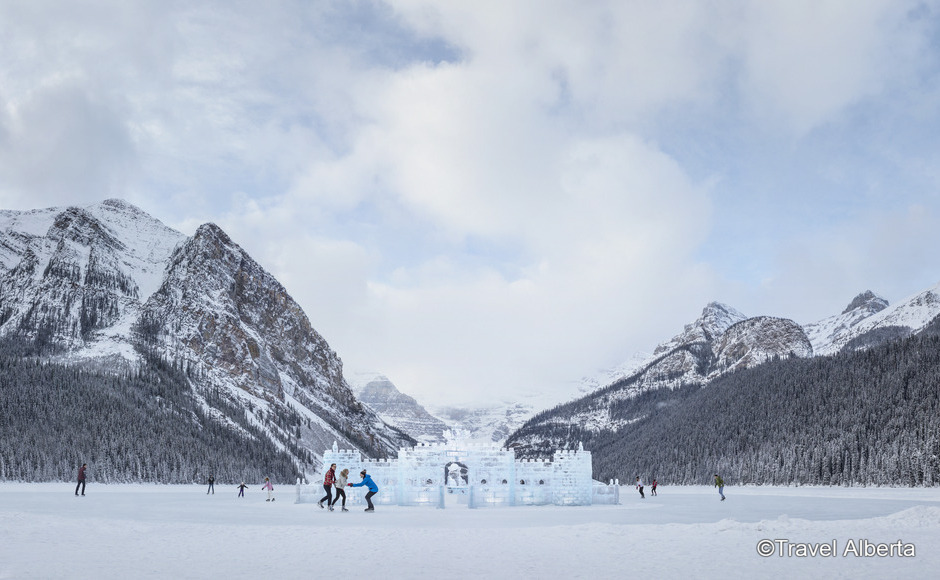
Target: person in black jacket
(81, 479)
(211, 485)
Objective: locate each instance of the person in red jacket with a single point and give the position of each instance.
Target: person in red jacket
(328, 482)
(81, 479)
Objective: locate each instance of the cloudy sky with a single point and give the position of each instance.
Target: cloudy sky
(482, 199)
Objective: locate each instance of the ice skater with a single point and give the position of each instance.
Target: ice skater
(241, 489)
(653, 487)
(328, 482)
(373, 489)
(639, 486)
(81, 479)
(720, 484)
(340, 488)
(267, 485)
(211, 485)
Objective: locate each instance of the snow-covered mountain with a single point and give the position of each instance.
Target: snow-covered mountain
(750, 342)
(721, 340)
(829, 335)
(869, 320)
(108, 285)
(400, 410)
(482, 424)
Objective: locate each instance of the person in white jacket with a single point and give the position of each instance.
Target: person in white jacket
(639, 486)
(341, 488)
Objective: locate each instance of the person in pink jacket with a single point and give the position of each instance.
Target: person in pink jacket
(267, 485)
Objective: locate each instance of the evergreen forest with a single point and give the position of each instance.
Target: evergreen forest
(138, 426)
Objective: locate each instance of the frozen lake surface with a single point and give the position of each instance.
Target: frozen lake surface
(154, 531)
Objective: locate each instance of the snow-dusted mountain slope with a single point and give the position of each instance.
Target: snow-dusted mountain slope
(478, 424)
(721, 340)
(750, 342)
(830, 334)
(106, 283)
(907, 317)
(78, 276)
(869, 320)
(400, 410)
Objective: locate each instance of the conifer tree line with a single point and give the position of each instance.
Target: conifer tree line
(867, 417)
(143, 425)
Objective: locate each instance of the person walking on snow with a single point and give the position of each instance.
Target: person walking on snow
(267, 485)
(639, 486)
(328, 482)
(81, 479)
(653, 487)
(241, 489)
(211, 485)
(340, 486)
(373, 489)
(720, 484)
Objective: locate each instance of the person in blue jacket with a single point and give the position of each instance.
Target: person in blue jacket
(373, 489)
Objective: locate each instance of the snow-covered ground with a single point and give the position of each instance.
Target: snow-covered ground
(151, 531)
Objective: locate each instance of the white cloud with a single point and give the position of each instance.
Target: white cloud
(478, 198)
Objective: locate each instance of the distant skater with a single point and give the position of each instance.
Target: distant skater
(653, 487)
(328, 482)
(81, 479)
(267, 485)
(340, 488)
(639, 486)
(211, 485)
(373, 489)
(241, 489)
(720, 484)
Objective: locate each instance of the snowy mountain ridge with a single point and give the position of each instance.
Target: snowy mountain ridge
(876, 324)
(722, 340)
(831, 334)
(105, 285)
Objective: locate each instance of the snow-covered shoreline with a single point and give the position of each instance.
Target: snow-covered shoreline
(177, 531)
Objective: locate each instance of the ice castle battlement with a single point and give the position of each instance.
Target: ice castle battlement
(475, 475)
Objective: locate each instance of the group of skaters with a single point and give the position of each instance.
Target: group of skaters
(330, 482)
(338, 483)
(639, 487)
(719, 483)
(242, 487)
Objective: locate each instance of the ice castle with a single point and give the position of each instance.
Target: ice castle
(475, 476)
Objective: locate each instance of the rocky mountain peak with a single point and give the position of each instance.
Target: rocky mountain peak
(755, 340)
(717, 318)
(714, 320)
(867, 301)
(401, 410)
